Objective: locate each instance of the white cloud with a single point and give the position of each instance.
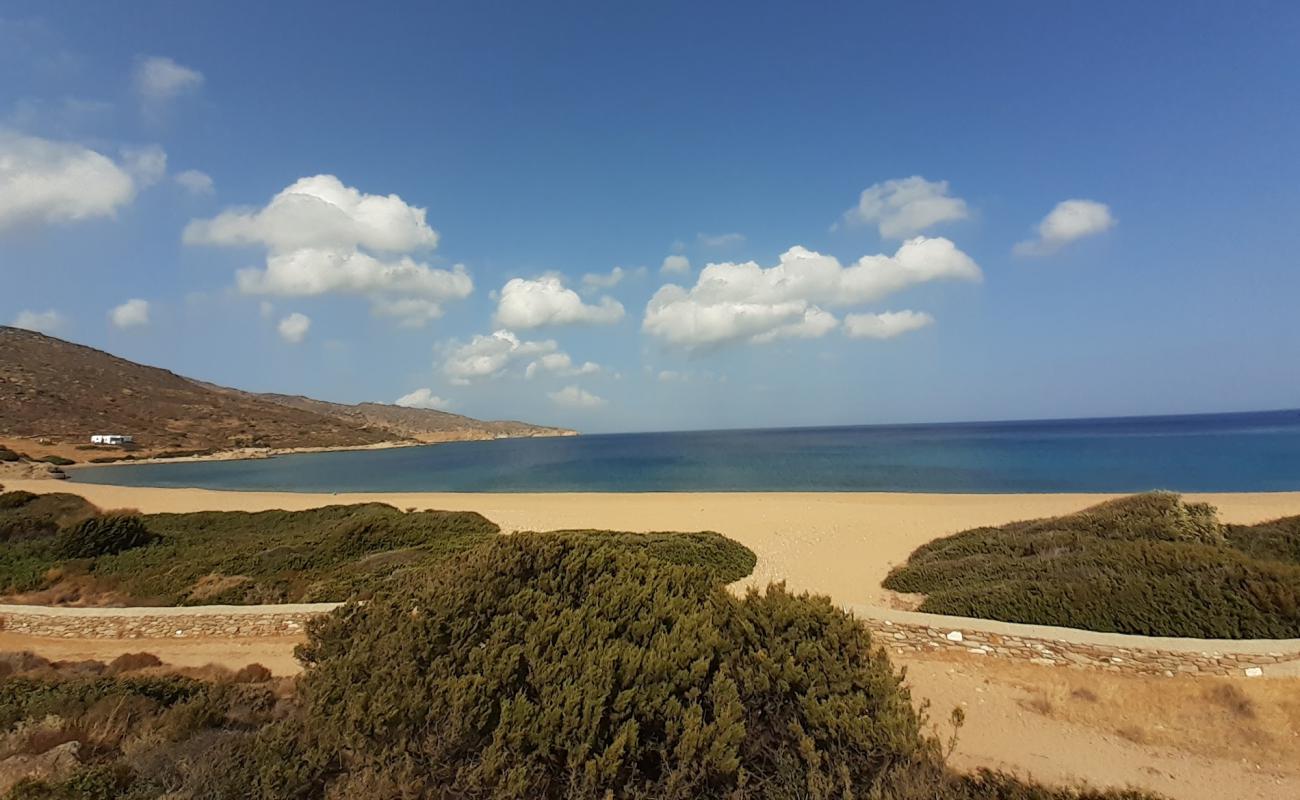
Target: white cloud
(195, 181)
(720, 239)
(560, 363)
(423, 398)
(545, 301)
(324, 237)
(294, 327)
(672, 376)
(47, 322)
(487, 356)
(675, 263)
(597, 280)
(159, 79)
(904, 207)
(574, 397)
(746, 302)
(132, 313)
(147, 165)
(44, 181)
(1070, 220)
(885, 325)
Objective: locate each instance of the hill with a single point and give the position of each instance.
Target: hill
(54, 394)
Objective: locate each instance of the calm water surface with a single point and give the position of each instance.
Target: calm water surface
(1213, 452)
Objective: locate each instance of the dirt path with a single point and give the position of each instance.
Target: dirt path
(274, 653)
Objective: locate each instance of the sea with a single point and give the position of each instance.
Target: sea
(1240, 452)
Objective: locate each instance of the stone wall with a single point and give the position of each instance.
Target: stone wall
(902, 632)
(159, 623)
(911, 632)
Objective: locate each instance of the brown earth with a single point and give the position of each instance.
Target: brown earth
(54, 394)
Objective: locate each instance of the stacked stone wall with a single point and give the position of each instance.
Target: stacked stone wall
(902, 632)
(160, 623)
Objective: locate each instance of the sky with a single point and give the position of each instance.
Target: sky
(667, 216)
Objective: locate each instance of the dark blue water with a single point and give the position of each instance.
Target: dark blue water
(1212, 452)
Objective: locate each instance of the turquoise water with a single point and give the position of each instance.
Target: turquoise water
(1213, 452)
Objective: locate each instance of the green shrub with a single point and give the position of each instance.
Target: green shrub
(59, 461)
(323, 554)
(1278, 540)
(24, 515)
(539, 666)
(563, 666)
(9, 455)
(726, 559)
(16, 499)
(103, 536)
(1147, 564)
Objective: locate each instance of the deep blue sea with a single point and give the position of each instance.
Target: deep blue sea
(1210, 452)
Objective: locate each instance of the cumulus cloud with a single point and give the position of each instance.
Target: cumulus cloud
(44, 181)
(324, 237)
(195, 181)
(293, 328)
(1070, 220)
(423, 398)
(527, 304)
(746, 302)
(720, 239)
(131, 314)
(488, 356)
(575, 397)
(676, 264)
(885, 325)
(560, 363)
(904, 207)
(47, 322)
(159, 79)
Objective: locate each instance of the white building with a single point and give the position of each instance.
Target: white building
(111, 438)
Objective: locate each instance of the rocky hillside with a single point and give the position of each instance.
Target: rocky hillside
(57, 392)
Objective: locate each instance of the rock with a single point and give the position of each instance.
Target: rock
(954, 636)
(1254, 672)
(53, 764)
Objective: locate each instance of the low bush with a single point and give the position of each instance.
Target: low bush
(323, 554)
(9, 455)
(103, 536)
(58, 461)
(1148, 564)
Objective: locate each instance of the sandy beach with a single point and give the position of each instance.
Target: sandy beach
(838, 544)
(1058, 726)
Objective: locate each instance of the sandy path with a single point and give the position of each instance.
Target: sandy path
(273, 652)
(1063, 726)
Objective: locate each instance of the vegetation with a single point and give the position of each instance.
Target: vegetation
(58, 461)
(331, 553)
(127, 729)
(536, 666)
(103, 536)
(1149, 564)
(9, 455)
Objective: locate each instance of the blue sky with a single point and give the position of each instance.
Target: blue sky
(1071, 209)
